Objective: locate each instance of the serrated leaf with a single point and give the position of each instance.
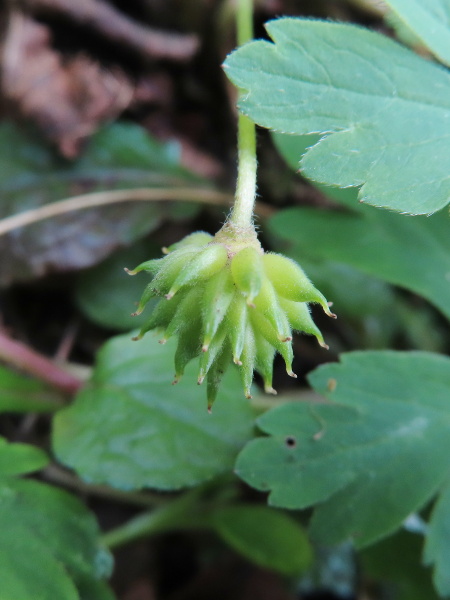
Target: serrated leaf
(437, 547)
(22, 394)
(412, 252)
(119, 157)
(267, 537)
(388, 411)
(429, 20)
(384, 110)
(108, 296)
(18, 459)
(131, 428)
(48, 540)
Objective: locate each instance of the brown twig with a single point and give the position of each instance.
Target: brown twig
(85, 201)
(24, 358)
(119, 28)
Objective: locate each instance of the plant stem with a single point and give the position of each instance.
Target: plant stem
(94, 199)
(57, 475)
(242, 213)
(21, 356)
(179, 513)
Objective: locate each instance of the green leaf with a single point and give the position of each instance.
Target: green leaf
(394, 564)
(437, 547)
(107, 295)
(18, 459)
(293, 147)
(131, 428)
(429, 20)
(120, 156)
(48, 541)
(269, 538)
(388, 411)
(93, 589)
(384, 110)
(24, 394)
(412, 252)
(359, 297)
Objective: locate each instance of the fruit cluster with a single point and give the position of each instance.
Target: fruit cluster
(227, 300)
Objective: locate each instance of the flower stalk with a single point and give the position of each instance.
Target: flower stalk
(242, 213)
(225, 299)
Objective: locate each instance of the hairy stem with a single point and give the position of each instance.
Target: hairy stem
(242, 213)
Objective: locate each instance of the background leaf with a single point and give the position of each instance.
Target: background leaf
(430, 21)
(265, 536)
(375, 312)
(395, 564)
(49, 539)
(412, 252)
(120, 156)
(437, 548)
(353, 85)
(18, 459)
(388, 411)
(107, 295)
(131, 428)
(22, 394)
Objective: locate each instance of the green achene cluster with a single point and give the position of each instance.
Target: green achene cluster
(227, 300)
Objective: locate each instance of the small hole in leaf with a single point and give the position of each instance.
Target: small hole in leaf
(290, 441)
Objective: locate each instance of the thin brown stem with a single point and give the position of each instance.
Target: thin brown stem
(118, 27)
(85, 201)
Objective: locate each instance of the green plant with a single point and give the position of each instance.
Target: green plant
(233, 301)
(365, 119)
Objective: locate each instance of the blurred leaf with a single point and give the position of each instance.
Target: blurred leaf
(24, 394)
(93, 589)
(429, 20)
(437, 548)
(48, 539)
(412, 252)
(107, 295)
(394, 564)
(383, 109)
(131, 428)
(120, 156)
(267, 537)
(17, 459)
(388, 411)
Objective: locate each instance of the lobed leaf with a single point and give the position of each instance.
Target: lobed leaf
(131, 428)
(387, 412)
(384, 110)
